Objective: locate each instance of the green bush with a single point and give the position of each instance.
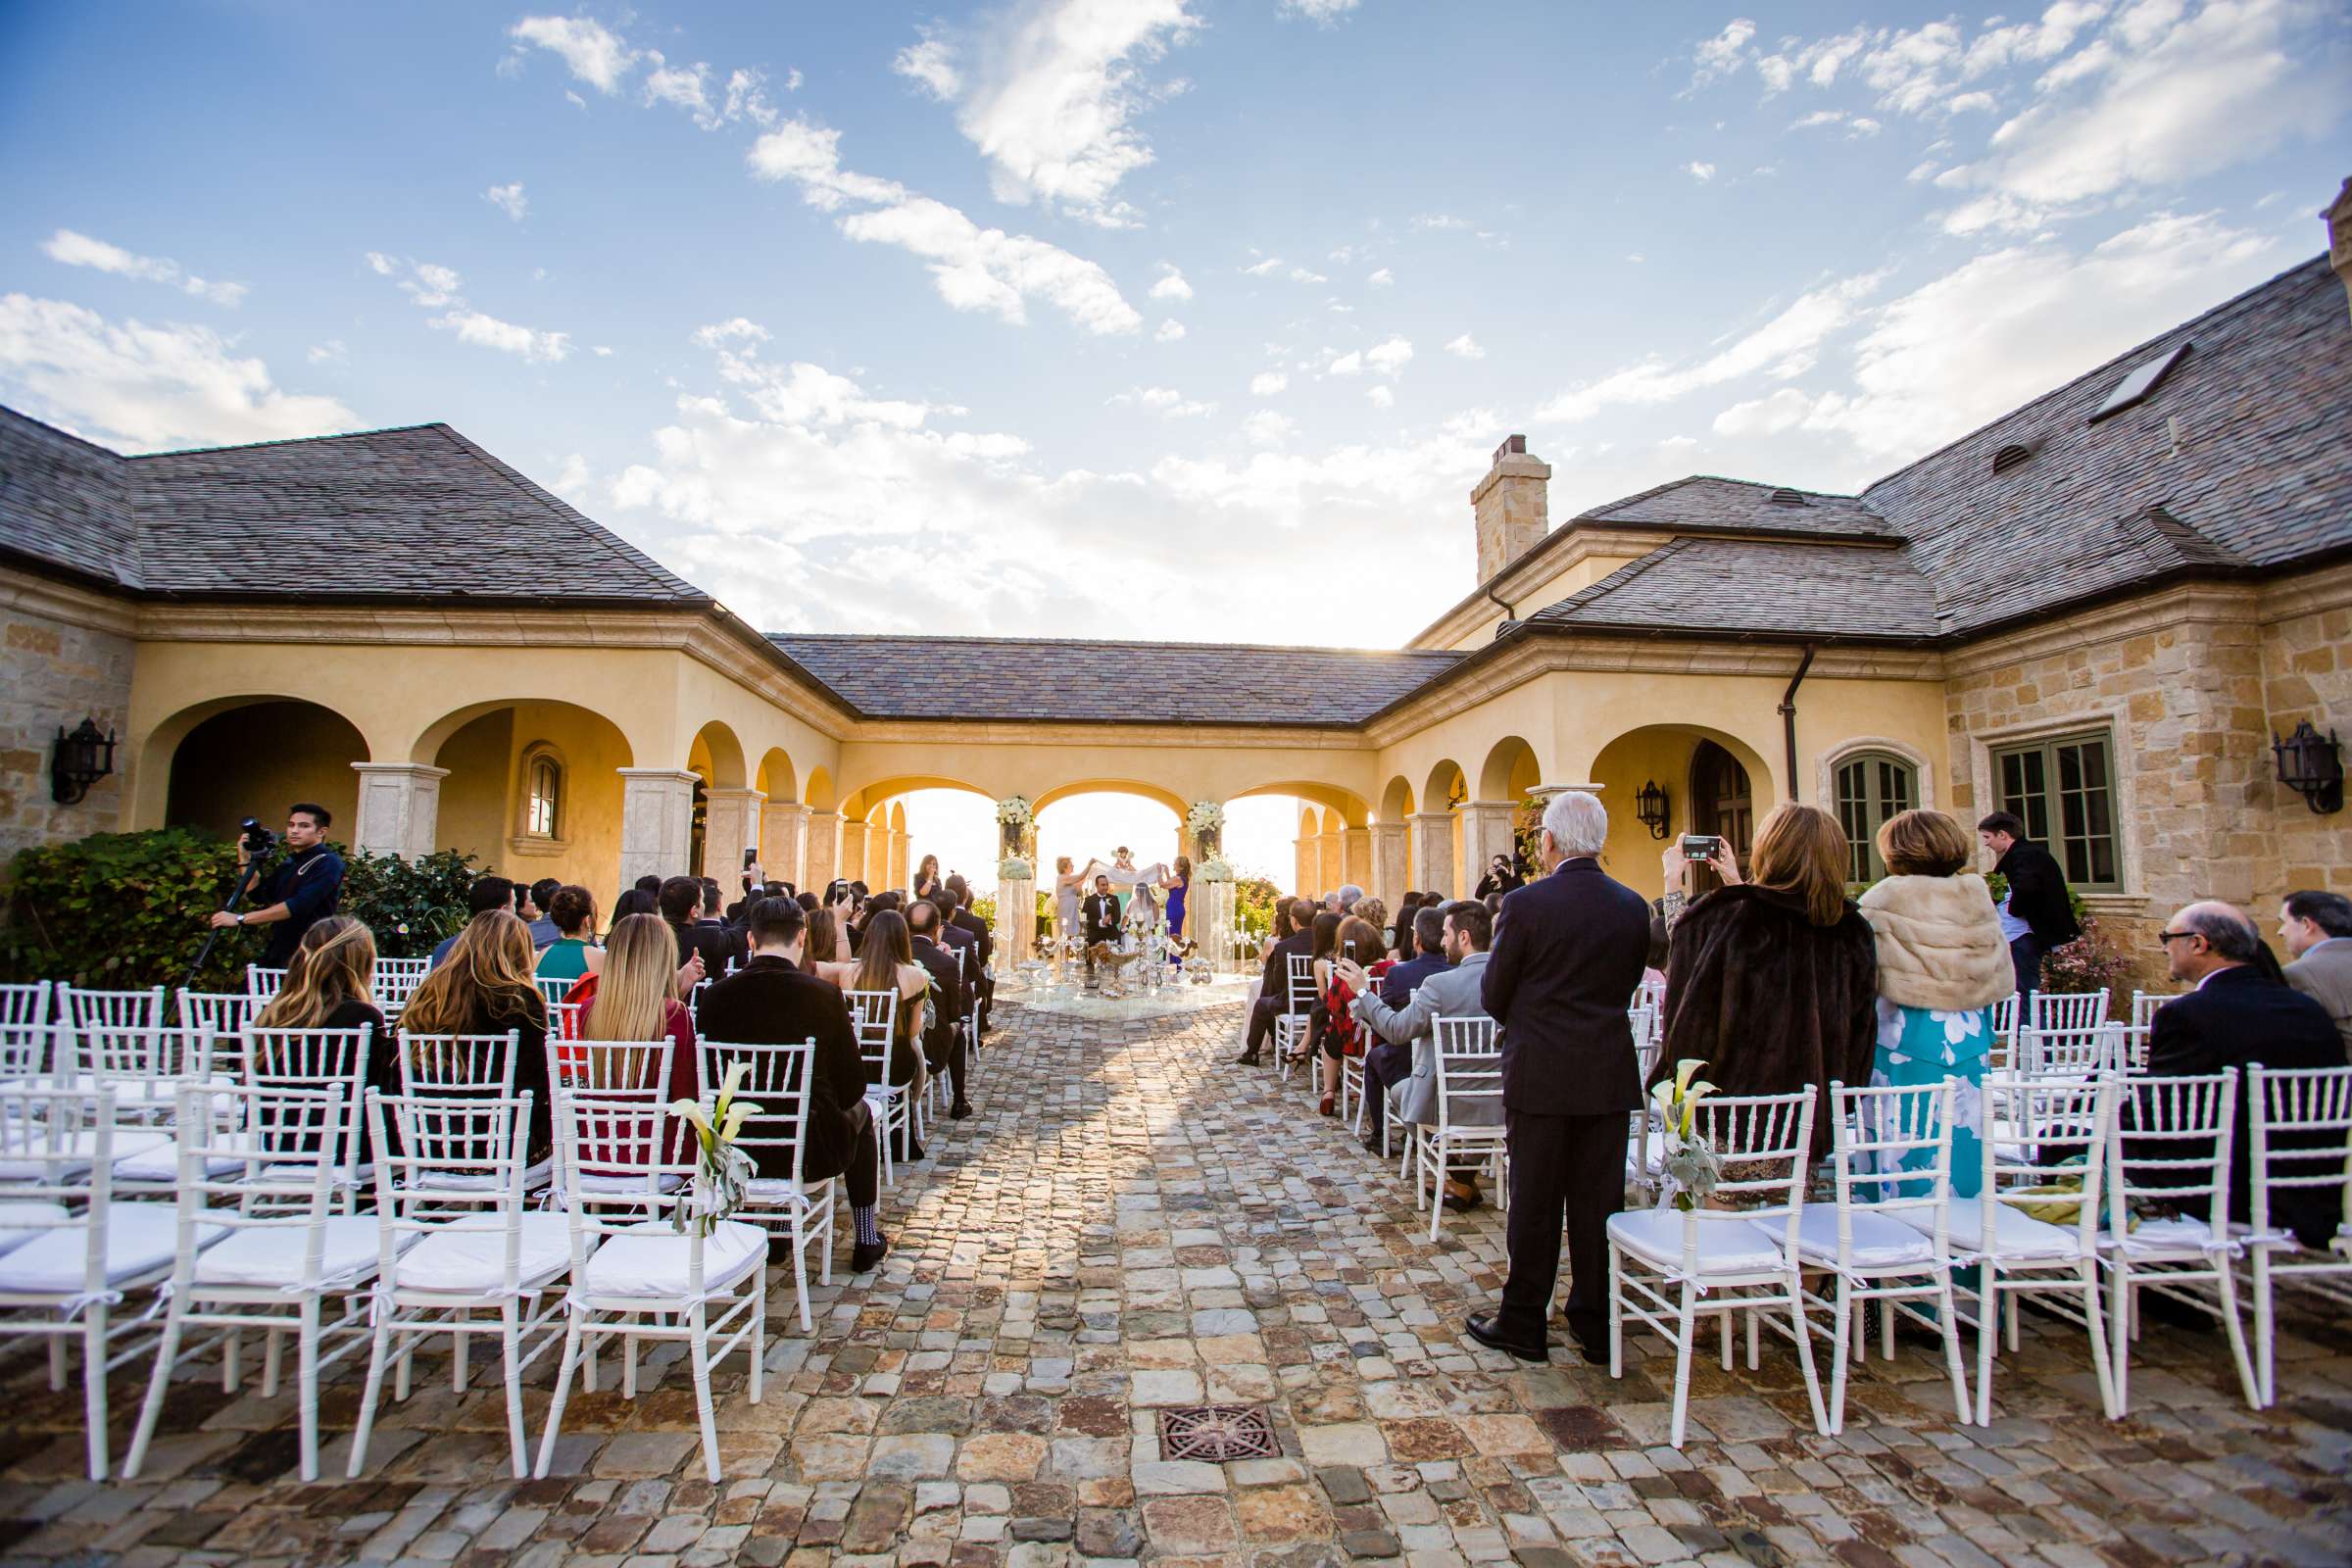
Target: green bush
(127, 910)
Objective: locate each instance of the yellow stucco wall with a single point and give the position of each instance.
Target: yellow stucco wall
(259, 759)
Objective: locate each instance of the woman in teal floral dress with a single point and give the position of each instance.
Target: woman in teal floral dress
(1943, 965)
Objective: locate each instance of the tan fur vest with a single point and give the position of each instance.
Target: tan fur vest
(1939, 942)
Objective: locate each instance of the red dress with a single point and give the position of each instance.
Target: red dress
(685, 1071)
(1345, 1032)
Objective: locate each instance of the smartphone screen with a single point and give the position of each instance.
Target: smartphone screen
(1351, 949)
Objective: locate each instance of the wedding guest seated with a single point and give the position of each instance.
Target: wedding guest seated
(943, 1045)
(485, 988)
(771, 1000)
(636, 901)
(330, 984)
(968, 919)
(1401, 940)
(681, 900)
(1774, 982)
(1428, 937)
(1464, 933)
(888, 965)
(1356, 942)
(487, 893)
(535, 915)
(634, 1000)
(1291, 934)
(2235, 1016)
(962, 931)
(2317, 929)
(574, 951)
(824, 954)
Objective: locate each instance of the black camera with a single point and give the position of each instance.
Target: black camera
(259, 840)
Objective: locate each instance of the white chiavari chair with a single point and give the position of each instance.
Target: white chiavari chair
(778, 1078)
(144, 1065)
(225, 1013)
(80, 1008)
(2069, 1013)
(2001, 1050)
(454, 1238)
(644, 1279)
(552, 991)
(32, 1055)
(1717, 1259)
(285, 1252)
(2301, 1125)
(2072, 1052)
(396, 980)
(2143, 1026)
(1885, 1236)
(1467, 1052)
(2168, 1144)
(1291, 1024)
(25, 1002)
(264, 983)
(317, 1058)
(874, 1015)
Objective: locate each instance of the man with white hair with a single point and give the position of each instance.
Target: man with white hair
(1567, 956)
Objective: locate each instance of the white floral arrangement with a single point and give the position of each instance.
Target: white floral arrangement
(722, 1171)
(1014, 811)
(1691, 1167)
(1013, 868)
(1205, 816)
(1214, 870)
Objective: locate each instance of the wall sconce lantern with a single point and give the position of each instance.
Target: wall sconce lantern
(2313, 767)
(82, 759)
(1649, 804)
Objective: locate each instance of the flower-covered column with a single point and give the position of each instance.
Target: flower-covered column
(1209, 909)
(1016, 879)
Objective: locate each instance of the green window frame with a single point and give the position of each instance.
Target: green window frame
(1871, 787)
(2064, 790)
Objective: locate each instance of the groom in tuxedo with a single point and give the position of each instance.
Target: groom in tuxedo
(1099, 918)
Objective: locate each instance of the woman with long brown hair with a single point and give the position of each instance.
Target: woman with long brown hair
(484, 987)
(824, 956)
(331, 985)
(1359, 941)
(1772, 983)
(634, 999)
(887, 964)
(926, 877)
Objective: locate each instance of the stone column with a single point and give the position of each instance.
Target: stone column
(1389, 874)
(1432, 852)
(1305, 866)
(730, 826)
(902, 865)
(853, 851)
(1487, 832)
(1331, 866)
(656, 822)
(400, 806)
(821, 861)
(1356, 857)
(783, 830)
(1016, 920)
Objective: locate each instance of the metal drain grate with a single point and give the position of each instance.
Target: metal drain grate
(1216, 1433)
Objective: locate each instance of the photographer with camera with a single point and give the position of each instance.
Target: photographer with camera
(298, 893)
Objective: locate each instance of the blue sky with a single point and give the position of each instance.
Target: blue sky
(1148, 318)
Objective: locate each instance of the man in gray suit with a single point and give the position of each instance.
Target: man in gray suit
(1448, 994)
(2317, 928)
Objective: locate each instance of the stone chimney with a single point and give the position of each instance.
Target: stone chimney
(1511, 504)
(2339, 246)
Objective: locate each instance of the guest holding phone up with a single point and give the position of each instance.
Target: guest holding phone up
(1358, 942)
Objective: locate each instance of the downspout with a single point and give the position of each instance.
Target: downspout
(1789, 714)
(1507, 615)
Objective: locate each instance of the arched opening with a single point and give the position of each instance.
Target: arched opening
(533, 790)
(1091, 822)
(776, 778)
(1708, 780)
(821, 790)
(1510, 773)
(257, 757)
(1446, 791)
(717, 756)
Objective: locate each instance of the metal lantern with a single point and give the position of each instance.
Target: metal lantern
(82, 759)
(1649, 804)
(2313, 767)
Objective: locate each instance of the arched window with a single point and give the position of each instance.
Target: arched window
(542, 795)
(1872, 786)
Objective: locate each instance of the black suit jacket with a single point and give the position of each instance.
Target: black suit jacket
(956, 939)
(966, 921)
(948, 996)
(715, 943)
(2037, 893)
(1101, 914)
(1275, 983)
(1568, 953)
(2235, 1020)
(771, 1002)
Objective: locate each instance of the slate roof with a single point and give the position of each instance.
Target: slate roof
(1757, 588)
(1705, 504)
(1021, 678)
(420, 513)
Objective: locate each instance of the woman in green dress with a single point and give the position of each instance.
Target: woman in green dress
(574, 951)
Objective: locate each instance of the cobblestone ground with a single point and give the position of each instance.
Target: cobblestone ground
(1128, 1225)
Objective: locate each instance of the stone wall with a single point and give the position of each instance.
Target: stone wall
(2307, 674)
(59, 661)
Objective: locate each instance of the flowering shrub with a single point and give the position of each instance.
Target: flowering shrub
(2091, 962)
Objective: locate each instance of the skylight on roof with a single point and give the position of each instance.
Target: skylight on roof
(2140, 382)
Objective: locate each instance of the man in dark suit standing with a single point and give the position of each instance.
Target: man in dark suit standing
(770, 1002)
(1273, 986)
(2037, 916)
(965, 918)
(2236, 1017)
(682, 903)
(942, 1021)
(1566, 958)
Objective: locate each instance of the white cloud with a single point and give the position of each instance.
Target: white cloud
(81, 250)
(1049, 92)
(330, 352)
(1441, 221)
(1676, 443)
(1780, 411)
(1388, 357)
(1721, 55)
(1819, 116)
(131, 385)
(1702, 172)
(1921, 171)
(792, 79)
(1325, 12)
(735, 329)
(591, 51)
(1466, 347)
(1299, 274)
(508, 199)
(1786, 346)
(1382, 397)
(489, 332)
(686, 87)
(1167, 402)
(972, 267)
(1381, 278)
(1350, 363)
(1170, 330)
(1266, 383)
(1268, 428)
(746, 101)
(1261, 269)
(1171, 284)
(1863, 125)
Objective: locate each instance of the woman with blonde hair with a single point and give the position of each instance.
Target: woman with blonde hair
(1773, 982)
(484, 987)
(1943, 964)
(823, 956)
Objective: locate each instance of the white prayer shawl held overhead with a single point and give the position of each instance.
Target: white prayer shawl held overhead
(1939, 942)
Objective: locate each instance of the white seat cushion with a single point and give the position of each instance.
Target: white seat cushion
(2175, 1237)
(138, 1091)
(15, 1219)
(270, 1256)
(2015, 1234)
(1880, 1240)
(78, 1152)
(649, 1261)
(161, 1163)
(622, 1185)
(473, 1262)
(140, 1238)
(1729, 1242)
(783, 1190)
(534, 1177)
